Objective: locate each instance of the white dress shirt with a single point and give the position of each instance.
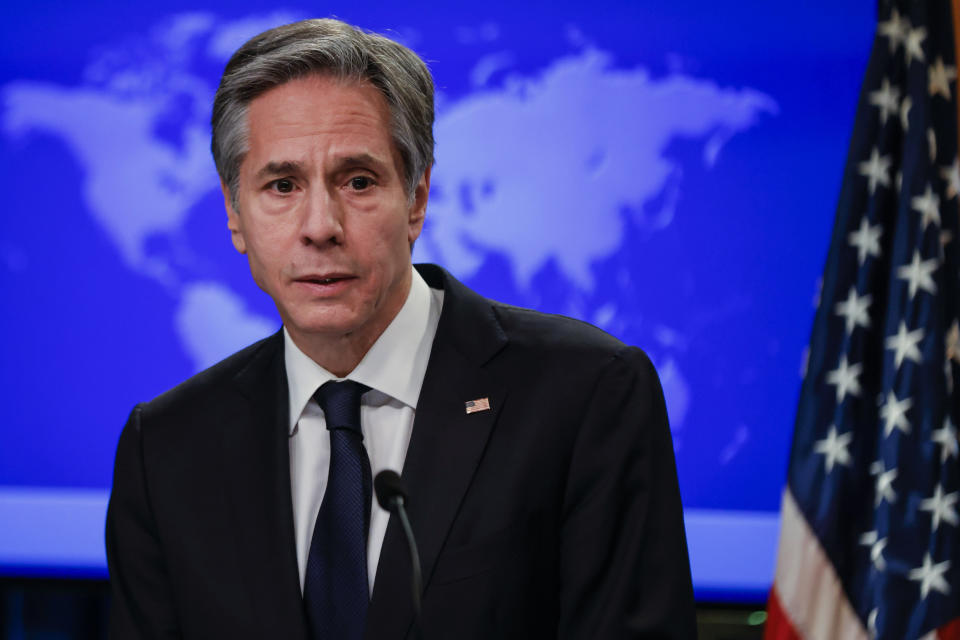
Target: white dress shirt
(393, 368)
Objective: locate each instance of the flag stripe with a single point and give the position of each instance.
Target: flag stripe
(950, 631)
(778, 625)
(808, 586)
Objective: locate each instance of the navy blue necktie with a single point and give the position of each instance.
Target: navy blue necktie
(335, 591)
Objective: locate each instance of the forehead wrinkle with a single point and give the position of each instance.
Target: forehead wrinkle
(290, 116)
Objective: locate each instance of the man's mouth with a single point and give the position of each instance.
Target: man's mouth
(324, 279)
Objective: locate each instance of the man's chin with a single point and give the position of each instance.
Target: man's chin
(330, 325)
(326, 331)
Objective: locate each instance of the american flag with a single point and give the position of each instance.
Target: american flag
(480, 404)
(870, 537)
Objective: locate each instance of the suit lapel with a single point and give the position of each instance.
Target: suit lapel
(445, 447)
(257, 470)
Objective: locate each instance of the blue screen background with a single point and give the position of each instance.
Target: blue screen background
(712, 268)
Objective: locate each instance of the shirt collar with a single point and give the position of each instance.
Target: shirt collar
(394, 365)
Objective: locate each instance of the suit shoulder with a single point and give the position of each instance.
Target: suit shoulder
(558, 334)
(205, 385)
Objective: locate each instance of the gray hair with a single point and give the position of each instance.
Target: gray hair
(325, 47)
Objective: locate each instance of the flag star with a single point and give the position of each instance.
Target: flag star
(854, 310)
(884, 484)
(919, 274)
(887, 99)
(872, 622)
(894, 414)
(928, 205)
(940, 77)
(876, 169)
(846, 378)
(866, 239)
(932, 145)
(877, 545)
(913, 44)
(946, 437)
(953, 342)
(834, 448)
(942, 506)
(930, 576)
(951, 176)
(905, 107)
(895, 30)
(905, 344)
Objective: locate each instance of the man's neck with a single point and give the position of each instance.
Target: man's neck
(339, 356)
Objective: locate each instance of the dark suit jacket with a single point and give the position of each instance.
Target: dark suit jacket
(555, 514)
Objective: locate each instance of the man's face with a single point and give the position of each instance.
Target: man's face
(322, 213)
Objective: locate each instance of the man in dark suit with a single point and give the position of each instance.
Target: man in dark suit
(535, 448)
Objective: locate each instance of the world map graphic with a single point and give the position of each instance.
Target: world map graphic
(562, 184)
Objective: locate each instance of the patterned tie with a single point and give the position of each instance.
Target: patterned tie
(335, 591)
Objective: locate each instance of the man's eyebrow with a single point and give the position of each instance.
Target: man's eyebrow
(287, 167)
(359, 160)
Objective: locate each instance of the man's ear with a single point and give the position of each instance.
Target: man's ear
(418, 208)
(233, 221)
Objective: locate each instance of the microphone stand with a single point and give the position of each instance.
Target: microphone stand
(416, 577)
(392, 496)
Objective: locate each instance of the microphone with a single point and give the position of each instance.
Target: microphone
(392, 496)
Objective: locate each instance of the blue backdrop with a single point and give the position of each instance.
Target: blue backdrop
(667, 171)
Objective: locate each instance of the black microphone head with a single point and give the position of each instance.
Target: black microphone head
(389, 487)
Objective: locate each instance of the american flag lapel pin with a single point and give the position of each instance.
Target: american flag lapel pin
(480, 404)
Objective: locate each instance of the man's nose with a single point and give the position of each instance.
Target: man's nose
(322, 219)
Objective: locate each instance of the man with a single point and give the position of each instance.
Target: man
(535, 449)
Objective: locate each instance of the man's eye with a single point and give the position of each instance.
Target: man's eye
(283, 185)
(361, 183)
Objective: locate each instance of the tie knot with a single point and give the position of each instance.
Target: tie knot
(340, 402)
